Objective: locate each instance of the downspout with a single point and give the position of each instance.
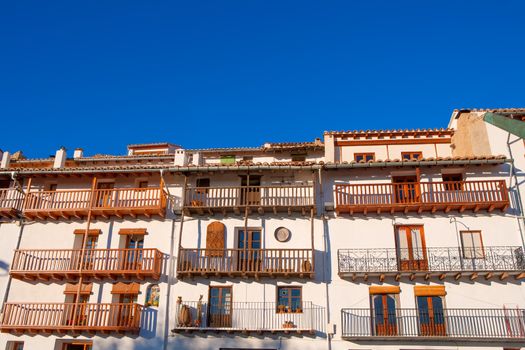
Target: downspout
(171, 260)
(518, 193)
(325, 223)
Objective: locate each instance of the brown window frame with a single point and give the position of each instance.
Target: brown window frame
(140, 184)
(411, 155)
(364, 156)
(451, 184)
(288, 307)
(473, 255)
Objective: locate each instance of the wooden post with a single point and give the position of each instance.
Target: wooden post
(182, 219)
(82, 251)
(26, 198)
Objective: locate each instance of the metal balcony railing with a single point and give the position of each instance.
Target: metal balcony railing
(248, 317)
(468, 324)
(443, 259)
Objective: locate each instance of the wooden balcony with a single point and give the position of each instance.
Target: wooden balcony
(501, 325)
(254, 263)
(211, 200)
(487, 262)
(70, 318)
(11, 200)
(421, 197)
(68, 264)
(247, 317)
(104, 203)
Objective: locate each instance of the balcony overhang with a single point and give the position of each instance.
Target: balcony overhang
(428, 275)
(247, 331)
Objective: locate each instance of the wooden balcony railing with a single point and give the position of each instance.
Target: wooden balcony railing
(448, 324)
(439, 262)
(247, 317)
(46, 264)
(273, 198)
(108, 202)
(11, 200)
(421, 196)
(246, 262)
(32, 318)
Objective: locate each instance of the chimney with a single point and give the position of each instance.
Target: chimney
(197, 159)
(79, 153)
(60, 158)
(6, 159)
(180, 157)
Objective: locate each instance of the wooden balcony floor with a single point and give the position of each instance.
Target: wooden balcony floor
(89, 275)
(420, 207)
(240, 210)
(427, 275)
(9, 213)
(255, 275)
(67, 214)
(290, 331)
(69, 330)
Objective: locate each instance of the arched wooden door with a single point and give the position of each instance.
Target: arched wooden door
(215, 239)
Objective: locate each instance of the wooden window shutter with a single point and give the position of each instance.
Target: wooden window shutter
(429, 291)
(384, 290)
(72, 288)
(125, 288)
(215, 239)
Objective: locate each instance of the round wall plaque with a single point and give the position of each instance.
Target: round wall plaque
(282, 234)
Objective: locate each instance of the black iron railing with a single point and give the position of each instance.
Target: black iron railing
(443, 259)
(448, 323)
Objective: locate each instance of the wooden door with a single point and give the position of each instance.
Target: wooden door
(411, 248)
(104, 194)
(431, 316)
(406, 189)
(125, 311)
(134, 254)
(89, 255)
(250, 190)
(214, 253)
(385, 320)
(249, 248)
(80, 315)
(220, 307)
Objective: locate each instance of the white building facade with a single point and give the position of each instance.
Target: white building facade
(397, 239)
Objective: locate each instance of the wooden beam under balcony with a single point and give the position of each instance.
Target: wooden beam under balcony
(105, 203)
(389, 198)
(257, 199)
(11, 200)
(246, 263)
(70, 318)
(70, 264)
(432, 263)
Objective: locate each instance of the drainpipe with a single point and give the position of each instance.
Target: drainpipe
(325, 260)
(518, 192)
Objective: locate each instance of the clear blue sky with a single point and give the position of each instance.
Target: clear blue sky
(104, 74)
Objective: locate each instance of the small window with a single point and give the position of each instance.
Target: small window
(247, 158)
(367, 157)
(52, 187)
(289, 300)
(411, 155)
(299, 157)
(472, 245)
(15, 345)
(202, 185)
(142, 184)
(453, 182)
(227, 160)
(78, 345)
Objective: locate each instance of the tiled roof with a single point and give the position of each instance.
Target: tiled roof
(153, 144)
(496, 110)
(390, 131)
